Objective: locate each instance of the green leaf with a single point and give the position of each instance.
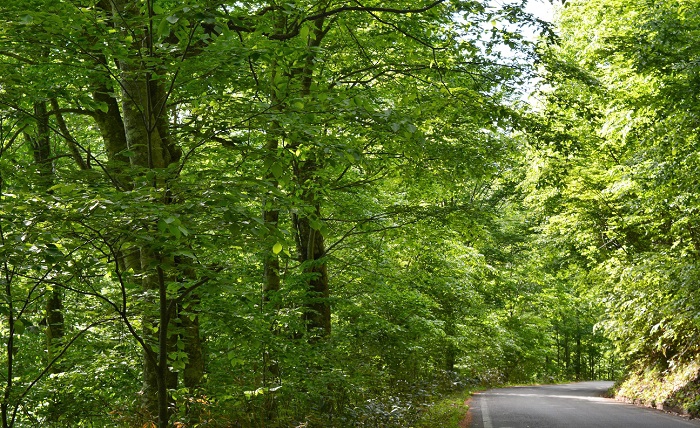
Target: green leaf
(19, 327)
(175, 231)
(127, 153)
(276, 169)
(163, 28)
(185, 253)
(277, 248)
(102, 106)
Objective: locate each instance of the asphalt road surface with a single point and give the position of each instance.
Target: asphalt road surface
(573, 405)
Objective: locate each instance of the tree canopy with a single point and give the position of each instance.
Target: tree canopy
(614, 180)
(275, 214)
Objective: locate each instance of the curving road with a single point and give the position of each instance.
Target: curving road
(573, 405)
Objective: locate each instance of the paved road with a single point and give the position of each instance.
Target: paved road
(573, 405)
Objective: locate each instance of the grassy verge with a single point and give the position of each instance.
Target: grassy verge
(451, 410)
(448, 412)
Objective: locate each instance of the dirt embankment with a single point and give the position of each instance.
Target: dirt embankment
(674, 389)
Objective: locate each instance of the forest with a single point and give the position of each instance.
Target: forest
(335, 213)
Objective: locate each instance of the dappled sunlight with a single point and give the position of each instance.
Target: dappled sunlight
(264, 214)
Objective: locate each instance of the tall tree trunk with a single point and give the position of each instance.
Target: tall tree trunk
(5, 414)
(310, 242)
(271, 287)
(450, 348)
(53, 307)
(140, 129)
(558, 342)
(567, 354)
(271, 276)
(142, 111)
(270, 210)
(578, 353)
(41, 151)
(271, 215)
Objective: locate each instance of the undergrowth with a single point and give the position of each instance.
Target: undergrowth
(447, 412)
(675, 387)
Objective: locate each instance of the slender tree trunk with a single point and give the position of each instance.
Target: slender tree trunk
(110, 123)
(41, 144)
(578, 354)
(450, 358)
(270, 211)
(194, 368)
(450, 333)
(271, 277)
(7, 421)
(270, 208)
(111, 127)
(271, 262)
(311, 250)
(271, 215)
(558, 351)
(567, 354)
(41, 151)
(189, 323)
(55, 331)
(310, 241)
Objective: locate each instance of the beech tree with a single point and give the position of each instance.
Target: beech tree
(204, 176)
(615, 160)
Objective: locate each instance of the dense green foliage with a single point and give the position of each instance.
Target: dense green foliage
(263, 214)
(616, 181)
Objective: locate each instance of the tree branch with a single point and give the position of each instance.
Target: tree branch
(370, 9)
(65, 133)
(329, 13)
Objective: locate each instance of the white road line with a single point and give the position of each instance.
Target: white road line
(485, 413)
